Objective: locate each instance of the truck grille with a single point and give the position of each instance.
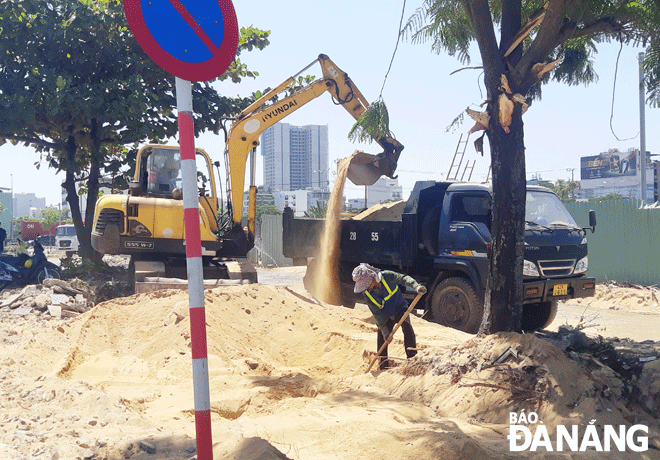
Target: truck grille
(109, 216)
(556, 268)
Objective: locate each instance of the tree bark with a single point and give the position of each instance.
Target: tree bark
(83, 227)
(504, 287)
(69, 184)
(503, 299)
(92, 193)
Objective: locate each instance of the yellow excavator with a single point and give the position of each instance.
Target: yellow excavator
(147, 223)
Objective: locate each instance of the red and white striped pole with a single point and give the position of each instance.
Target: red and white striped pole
(195, 271)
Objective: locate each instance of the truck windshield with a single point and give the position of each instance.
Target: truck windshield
(66, 231)
(544, 208)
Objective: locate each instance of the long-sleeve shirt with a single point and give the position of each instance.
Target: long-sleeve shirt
(387, 303)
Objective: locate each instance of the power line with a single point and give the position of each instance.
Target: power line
(398, 38)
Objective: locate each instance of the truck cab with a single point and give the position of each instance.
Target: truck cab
(555, 261)
(66, 239)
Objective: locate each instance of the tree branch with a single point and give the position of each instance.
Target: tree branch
(542, 45)
(606, 24)
(479, 15)
(511, 25)
(34, 140)
(524, 31)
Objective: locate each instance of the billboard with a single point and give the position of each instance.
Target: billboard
(609, 164)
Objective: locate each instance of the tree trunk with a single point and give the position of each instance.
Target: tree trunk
(69, 185)
(504, 289)
(83, 227)
(92, 193)
(503, 299)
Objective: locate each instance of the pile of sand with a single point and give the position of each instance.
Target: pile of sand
(286, 381)
(384, 212)
(615, 297)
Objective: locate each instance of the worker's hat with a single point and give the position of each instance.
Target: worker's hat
(364, 275)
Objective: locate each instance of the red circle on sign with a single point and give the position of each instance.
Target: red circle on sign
(202, 71)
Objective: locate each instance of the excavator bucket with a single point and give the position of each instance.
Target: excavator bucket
(366, 169)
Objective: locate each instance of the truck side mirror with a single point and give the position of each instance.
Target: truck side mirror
(592, 220)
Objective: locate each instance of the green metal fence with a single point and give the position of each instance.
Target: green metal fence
(624, 246)
(269, 242)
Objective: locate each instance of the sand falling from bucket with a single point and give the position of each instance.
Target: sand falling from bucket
(326, 282)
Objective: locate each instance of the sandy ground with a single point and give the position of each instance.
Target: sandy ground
(287, 380)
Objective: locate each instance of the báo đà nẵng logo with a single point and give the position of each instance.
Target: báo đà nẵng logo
(612, 438)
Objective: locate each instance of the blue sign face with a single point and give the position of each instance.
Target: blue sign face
(191, 39)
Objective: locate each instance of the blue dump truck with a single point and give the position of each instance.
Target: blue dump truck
(442, 238)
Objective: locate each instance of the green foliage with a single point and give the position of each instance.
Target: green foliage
(374, 124)
(446, 25)
(76, 267)
(610, 196)
(317, 211)
(76, 86)
(266, 208)
(564, 189)
(17, 224)
(50, 216)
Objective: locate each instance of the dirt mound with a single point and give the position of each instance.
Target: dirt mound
(287, 379)
(615, 297)
(385, 212)
(484, 380)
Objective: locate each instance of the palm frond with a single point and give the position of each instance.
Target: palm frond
(374, 124)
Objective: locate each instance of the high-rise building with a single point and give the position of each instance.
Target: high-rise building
(295, 157)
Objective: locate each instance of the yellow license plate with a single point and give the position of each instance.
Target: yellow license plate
(560, 289)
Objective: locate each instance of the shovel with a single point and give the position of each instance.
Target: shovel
(396, 327)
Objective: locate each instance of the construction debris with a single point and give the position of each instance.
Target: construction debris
(57, 298)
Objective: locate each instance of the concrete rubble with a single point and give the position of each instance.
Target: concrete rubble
(57, 298)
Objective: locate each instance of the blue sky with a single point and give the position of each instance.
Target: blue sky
(421, 95)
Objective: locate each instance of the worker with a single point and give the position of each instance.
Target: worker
(387, 304)
(167, 176)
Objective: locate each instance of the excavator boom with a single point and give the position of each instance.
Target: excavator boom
(365, 169)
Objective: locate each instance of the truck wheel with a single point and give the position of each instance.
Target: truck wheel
(456, 304)
(538, 315)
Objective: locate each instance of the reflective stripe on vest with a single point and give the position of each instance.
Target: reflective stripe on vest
(391, 293)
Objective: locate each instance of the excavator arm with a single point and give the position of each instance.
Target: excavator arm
(243, 139)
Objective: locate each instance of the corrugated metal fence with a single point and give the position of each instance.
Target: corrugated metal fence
(624, 247)
(268, 245)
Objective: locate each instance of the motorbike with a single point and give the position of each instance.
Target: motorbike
(24, 269)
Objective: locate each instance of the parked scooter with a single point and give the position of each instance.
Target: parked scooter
(24, 269)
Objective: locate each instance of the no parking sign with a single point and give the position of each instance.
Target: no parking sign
(195, 40)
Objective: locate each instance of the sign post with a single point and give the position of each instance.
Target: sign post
(193, 40)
